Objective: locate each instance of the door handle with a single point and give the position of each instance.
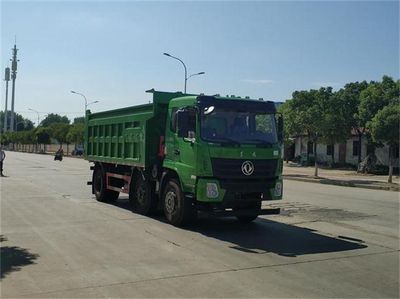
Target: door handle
(177, 152)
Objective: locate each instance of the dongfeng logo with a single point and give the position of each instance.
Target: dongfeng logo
(247, 168)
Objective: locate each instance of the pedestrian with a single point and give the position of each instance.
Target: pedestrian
(2, 157)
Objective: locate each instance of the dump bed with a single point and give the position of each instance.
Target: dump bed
(127, 136)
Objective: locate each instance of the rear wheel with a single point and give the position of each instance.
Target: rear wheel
(99, 187)
(178, 209)
(142, 198)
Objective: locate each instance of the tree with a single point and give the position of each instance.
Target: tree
(42, 135)
(75, 133)
(287, 130)
(349, 102)
(374, 98)
(79, 120)
(26, 138)
(304, 116)
(6, 138)
(335, 124)
(21, 123)
(385, 128)
(53, 118)
(295, 124)
(59, 131)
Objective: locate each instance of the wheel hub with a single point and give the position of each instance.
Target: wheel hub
(170, 202)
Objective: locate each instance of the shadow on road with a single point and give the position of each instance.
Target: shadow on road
(264, 236)
(122, 202)
(12, 258)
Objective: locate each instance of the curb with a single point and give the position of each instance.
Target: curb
(342, 183)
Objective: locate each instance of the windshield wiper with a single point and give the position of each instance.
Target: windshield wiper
(263, 142)
(229, 141)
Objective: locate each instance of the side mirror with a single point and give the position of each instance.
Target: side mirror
(280, 128)
(191, 137)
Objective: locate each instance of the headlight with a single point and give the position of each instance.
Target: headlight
(278, 189)
(212, 190)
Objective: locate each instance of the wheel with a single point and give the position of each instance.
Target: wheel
(177, 208)
(251, 217)
(142, 200)
(99, 187)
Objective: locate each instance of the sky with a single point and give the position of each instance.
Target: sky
(112, 51)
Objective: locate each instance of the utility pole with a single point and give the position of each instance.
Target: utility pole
(13, 77)
(7, 79)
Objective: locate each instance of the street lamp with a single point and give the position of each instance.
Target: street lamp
(38, 118)
(184, 66)
(201, 73)
(82, 96)
(86, 103)
(94, 102)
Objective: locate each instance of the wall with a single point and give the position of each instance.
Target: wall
(48, 148)
(301, 149)
(382, 155)
(350, 159)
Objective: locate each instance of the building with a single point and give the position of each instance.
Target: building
(344, 153)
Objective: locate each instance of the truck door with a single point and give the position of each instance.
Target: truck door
(185, 145)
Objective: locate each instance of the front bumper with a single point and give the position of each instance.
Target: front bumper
(244, 212)
(231, 193)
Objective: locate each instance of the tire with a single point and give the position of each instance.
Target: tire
(142, 199)
(250, 218)
(178, 209)
(99, 187)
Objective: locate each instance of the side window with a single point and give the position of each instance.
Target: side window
(329, 149)
(185, 123)
(172, 124)
(310, 147)
(355, 148)
(192, 121)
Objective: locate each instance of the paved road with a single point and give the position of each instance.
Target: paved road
(57, 241)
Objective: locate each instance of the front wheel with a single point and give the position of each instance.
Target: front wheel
(178, 209)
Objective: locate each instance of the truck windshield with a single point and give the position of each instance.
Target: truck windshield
(227, 125)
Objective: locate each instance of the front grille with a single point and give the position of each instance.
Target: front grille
(232, 168)
(246, 186)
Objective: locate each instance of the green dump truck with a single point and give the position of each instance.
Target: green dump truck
(186, 153)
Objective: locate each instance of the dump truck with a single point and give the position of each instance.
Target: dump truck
(185, 153)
